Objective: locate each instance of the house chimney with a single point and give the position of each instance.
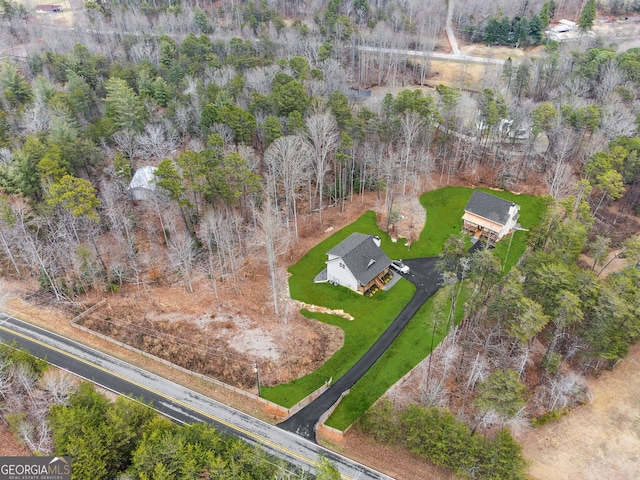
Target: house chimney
(376, 240)
(513, 209)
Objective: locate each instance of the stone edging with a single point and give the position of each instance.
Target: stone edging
(328, 311)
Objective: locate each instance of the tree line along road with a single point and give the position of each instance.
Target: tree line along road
(180, 404)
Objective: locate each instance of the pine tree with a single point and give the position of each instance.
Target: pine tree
(588, 15)
(544, 15)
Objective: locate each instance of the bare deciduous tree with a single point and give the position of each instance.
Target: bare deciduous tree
(617, 119)
(563, 390)
(271, 235)
(36, 254)
(322, 137)
(220, 233)
(182, 255)
(287, 158)
(559, 179)
(157, 142)
(126, 141)
(58, 385)
(37, 116)
(412, 125)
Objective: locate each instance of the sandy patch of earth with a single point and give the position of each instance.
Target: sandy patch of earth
(481, 50)
(600, 440)
(255, 342)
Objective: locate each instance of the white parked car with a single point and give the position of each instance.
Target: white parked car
(399, 267)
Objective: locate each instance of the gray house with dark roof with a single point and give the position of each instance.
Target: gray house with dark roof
(489, 217)
(357, 263)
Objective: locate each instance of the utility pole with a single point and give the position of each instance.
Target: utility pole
(257, 372)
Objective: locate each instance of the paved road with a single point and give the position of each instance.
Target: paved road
(424, 276)
(176, 402)
(453, 57)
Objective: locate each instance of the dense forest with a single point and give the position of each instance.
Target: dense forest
(253, 115)
(247, 132)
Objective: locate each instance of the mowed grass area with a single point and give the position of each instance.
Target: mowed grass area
(444, 217)
(410, 348)
(444, 209)
(372, 315)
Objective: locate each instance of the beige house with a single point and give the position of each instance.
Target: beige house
(488, 217)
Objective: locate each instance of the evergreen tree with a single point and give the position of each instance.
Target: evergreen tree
(200, 20)
(502, 393)
(522, 30)
(544, 15)
(536, 26)
(497, 31)
(16, 89)
(272, 129)
(123, 106)
(76, 195)
(588, 15)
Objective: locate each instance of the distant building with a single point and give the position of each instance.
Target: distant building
(567, 25)
(142, 185)
(48, 8)
(565, 31)
(488, 217)
(357, 263)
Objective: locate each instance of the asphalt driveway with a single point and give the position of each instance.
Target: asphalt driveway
(424, 276)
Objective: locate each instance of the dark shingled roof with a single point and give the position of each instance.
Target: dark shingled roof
(489, 206)
(361, 256)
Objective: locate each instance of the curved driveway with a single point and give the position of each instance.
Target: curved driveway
(424, 276)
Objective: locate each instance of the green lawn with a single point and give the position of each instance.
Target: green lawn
(372, 315)
(371, 319)
(444, 209)
(410, 348)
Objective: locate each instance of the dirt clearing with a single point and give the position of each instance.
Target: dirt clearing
(600, 440)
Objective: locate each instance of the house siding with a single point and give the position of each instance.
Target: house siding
(357, 263)
(337, 272)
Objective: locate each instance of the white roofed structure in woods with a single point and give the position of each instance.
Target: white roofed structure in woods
(142, 185)
(489, 217)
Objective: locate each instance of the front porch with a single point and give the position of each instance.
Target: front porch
(384, 281)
